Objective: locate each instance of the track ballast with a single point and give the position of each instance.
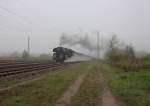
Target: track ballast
(13, 67)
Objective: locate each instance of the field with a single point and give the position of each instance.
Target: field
(132, 88)
(84, 84)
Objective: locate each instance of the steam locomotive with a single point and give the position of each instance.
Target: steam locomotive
(60, 54)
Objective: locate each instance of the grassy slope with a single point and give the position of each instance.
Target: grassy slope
(132, 88)
(90, 90)
(43, 92)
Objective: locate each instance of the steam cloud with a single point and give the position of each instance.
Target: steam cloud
(77, 39)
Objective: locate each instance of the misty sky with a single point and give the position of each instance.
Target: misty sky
(45, 20)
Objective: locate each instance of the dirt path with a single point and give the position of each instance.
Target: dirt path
(71, 91)
(107, 98)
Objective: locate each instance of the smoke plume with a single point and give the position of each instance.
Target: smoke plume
(76, 39)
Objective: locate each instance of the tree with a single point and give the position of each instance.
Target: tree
(116, 53)
(113, 51)
(129, 52)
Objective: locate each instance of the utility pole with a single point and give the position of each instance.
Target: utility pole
(98, 45)
(29, 45)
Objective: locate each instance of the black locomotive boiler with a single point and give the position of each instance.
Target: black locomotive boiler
(60, 54)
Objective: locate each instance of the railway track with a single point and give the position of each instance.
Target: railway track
(10, 68)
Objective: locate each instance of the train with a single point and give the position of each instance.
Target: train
(60, 54)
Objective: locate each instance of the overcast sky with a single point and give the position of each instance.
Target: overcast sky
(45, 20)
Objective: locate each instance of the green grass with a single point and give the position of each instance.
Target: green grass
(43, 92)
(132, 88)
(90, 91)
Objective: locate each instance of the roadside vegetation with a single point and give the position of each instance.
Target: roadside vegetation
(125, 57)
(127, 74)
(131, 88)
(43, 92)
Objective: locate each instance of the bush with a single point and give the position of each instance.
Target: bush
(131, 65)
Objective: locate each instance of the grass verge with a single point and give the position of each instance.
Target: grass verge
(43, 92)
(89, 92)
(132, 88)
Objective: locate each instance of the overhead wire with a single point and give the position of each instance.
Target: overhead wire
(15, 14)
(22, 21)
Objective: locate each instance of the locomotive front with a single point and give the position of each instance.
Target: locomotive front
(60, 54)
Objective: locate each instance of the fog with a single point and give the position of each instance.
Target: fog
(46, 20)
